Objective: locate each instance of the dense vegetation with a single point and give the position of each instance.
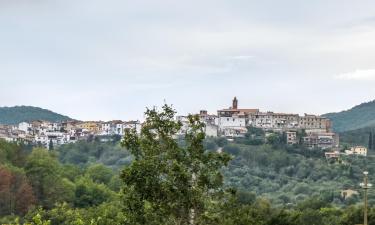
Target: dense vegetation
(186, 182)
(18, 114)
(357, 117)
(357, 137)
(85, 153)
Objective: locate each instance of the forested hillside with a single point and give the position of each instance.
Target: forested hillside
(360, 116)
(17, 114)
(357, 137)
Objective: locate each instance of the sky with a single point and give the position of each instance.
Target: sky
(103, 60)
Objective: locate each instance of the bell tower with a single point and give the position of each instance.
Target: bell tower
(235, 103)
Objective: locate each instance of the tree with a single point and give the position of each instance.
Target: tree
(99, 173)
(371, 141)
(16, 194)
(43, 171)
(50, 145)
(168, 183)
(88, 193)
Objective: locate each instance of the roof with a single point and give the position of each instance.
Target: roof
(240, 110)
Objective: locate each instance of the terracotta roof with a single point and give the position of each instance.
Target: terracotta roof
(240, 110)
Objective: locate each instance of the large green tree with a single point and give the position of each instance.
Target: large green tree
(44, 173)
(168, 182)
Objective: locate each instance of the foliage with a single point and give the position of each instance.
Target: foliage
(16, 194)
(88, 193)
(99, 173)
(357, 137)
(167, 183)
(82, 153)
(180, 181)
(18, 114)
(357, 117)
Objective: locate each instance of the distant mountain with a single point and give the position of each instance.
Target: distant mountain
(360, 116)
(17, 114)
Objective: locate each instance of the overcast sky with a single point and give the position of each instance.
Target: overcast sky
(95, 59)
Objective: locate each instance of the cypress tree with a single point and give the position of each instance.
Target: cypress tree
(50, 146)
(370, 142)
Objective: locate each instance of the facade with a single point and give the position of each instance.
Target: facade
(232, 122)
(274, 121)
(357, 150)
(24, 126)
(321, 140)
(313, 122)
(291, 137)
(210, 129)
(90, 126)
(332, 155)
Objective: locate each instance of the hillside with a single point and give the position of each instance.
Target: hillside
(17, 114)
(360, 116)
(357, 137)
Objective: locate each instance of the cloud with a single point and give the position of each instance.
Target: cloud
(360, 75)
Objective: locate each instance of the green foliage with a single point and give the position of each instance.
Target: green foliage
(289, 175)
(232, 149)
(43, 170)
(358, 117)
(18, 114)
(356, 137)
(168, 183)
(100, 173)
(12, 153)
(88, 193)
(83, 154)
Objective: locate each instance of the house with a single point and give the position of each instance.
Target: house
(231, 132)
(90, 126)
(232, 122)
(25, 127)
(234, 110)
(107, 128)
(132, 125)
(345, 194)
(291, 137)
(273, 121)
(313, 122)
(321, 140)
(357, 150)
(332, 155)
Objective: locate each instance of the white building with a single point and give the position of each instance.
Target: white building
(25, 127)
(357, 150)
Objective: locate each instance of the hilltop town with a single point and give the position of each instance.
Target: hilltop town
(232, 122)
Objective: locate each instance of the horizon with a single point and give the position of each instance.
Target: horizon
(179, 114)
(105, 60)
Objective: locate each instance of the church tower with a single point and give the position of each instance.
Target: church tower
(235, 103)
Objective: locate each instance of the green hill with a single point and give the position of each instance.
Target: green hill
(357, 137)
(360, 116)
(17, 114)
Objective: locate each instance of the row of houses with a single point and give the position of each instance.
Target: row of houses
(45, 133)
(230, 122)
(233, 122)
(353, 151)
